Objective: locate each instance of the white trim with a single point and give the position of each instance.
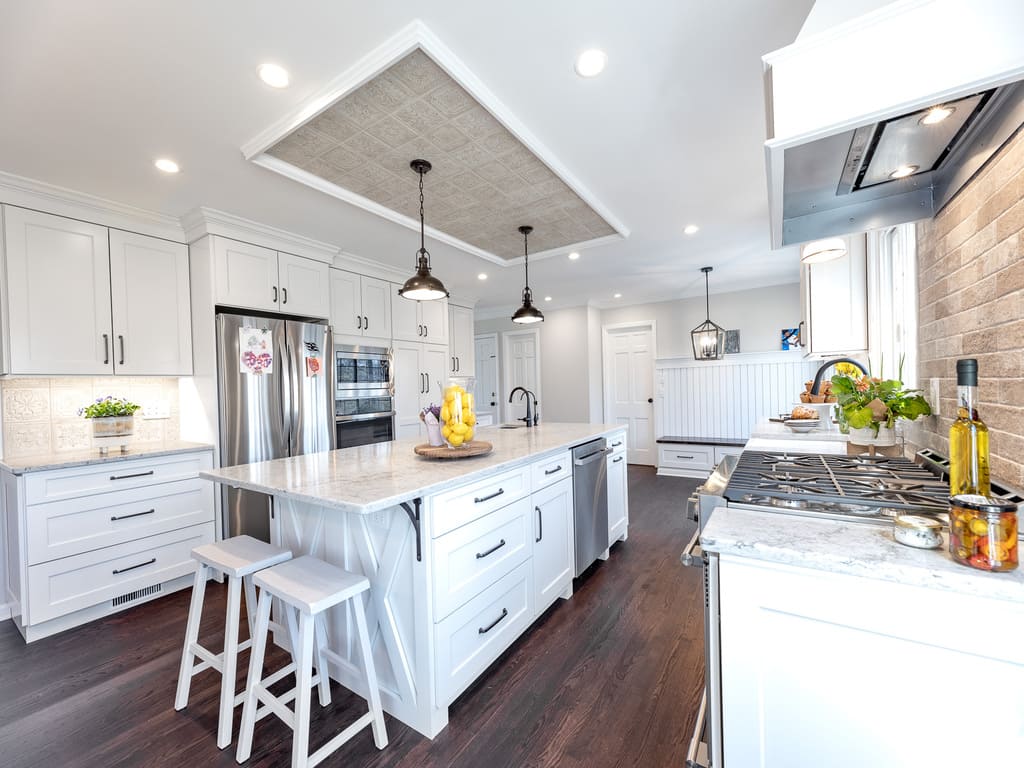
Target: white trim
(203, 221)
(503, 369)
(606, 331)
(740, 358)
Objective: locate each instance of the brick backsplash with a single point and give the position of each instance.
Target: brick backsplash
(971, 304)
(40, 416)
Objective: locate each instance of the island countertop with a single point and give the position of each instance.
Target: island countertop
(369, 478)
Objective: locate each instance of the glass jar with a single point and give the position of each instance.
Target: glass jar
(983, 532)
(458, 418)
(917, 531)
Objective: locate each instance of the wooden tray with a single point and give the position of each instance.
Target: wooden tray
(464, 451)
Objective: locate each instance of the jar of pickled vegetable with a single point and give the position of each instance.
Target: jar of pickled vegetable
(983, 532)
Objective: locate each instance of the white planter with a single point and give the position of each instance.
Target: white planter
(886, 436)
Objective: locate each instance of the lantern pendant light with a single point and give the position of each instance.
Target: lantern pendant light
(708, 338)
(527, 313)
(422, 286)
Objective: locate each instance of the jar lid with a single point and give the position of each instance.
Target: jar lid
(981, 503)
(917, 522)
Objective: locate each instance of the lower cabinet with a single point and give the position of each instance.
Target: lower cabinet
(553, 546)
(618, 495)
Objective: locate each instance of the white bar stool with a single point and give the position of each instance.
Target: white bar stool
(307, 587)
(238, 558)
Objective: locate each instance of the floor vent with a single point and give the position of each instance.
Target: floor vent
(136, 595)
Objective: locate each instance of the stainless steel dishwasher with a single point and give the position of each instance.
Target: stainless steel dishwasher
(590, 501)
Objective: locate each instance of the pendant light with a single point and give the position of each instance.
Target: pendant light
(527, 313)
(823, 250)
(708, 338)
(422, 286)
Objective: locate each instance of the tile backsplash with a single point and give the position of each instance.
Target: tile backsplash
(40, 416)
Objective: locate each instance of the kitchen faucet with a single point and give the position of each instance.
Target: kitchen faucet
(532, 418)
(828, 364)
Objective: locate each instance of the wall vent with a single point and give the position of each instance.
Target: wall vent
(136, 595)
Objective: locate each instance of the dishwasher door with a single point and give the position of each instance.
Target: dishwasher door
(590, 501)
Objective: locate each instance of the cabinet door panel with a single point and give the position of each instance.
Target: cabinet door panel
(345, 305)
(553, 554)
(376, 300)
(58, 290)
(434, 360)
(305, 286)
(617, 510)
(409, 389)
(246, 275)
(434, 318)
(461, 340)
(150, 305)
(405, 318)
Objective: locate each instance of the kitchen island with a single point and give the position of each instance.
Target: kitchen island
(462, 555)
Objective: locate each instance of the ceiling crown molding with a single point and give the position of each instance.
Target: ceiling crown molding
(203, 221)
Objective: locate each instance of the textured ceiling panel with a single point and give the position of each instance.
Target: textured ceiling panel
(484, 182)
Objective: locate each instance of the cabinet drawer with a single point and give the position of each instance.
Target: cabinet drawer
(80, 581)
(478, 632)
(113, 476)
(70, 527)
(478, 554)
(617, 442)
(456, 507)
(552, 470)
(686, 456)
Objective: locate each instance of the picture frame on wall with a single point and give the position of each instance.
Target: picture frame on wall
(732, 342)
(790, 338)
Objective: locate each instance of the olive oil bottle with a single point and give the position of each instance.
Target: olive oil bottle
(968, 437)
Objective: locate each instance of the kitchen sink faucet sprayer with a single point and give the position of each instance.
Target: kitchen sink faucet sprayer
(532, 417)
(828, 364)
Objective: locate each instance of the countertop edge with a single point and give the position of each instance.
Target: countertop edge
(17, 467)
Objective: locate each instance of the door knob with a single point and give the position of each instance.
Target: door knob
(650, 399)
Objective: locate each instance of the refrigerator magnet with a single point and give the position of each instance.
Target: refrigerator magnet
(255, 351)
(313, 366)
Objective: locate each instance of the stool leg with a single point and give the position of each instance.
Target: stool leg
(380, 734)
(303, 682)
(259, 647)
(195, 614)
(250, 605)
(230, 661)
(321, 664)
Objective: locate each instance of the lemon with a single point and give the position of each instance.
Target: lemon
(459, 428)
(468, 436)
(469, 418)
(445, 413)
(455, 440)
(446, 431)
(467, 400)
(449, 397)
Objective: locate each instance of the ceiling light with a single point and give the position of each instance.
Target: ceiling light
(617, 296)
(936, 115)
(823, 250)
(591, 63)
(273, 75)
(166, 165)
(547, 298)
(708, 338)
(573, 256)
(422, 286)
(903, 171)
(527, 313)
(691, 229)
(482, 276)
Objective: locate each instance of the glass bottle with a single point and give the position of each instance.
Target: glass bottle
(968, 437)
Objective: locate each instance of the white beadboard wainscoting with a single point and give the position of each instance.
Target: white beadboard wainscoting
(726, 398)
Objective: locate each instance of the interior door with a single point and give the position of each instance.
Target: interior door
(521, 364)
(376, 296)
(487, 397)
(629, 388)
(346, 309)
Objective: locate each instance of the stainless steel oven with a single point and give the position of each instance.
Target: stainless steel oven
(364, 392)
(361, 370)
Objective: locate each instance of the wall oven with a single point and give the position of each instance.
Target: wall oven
(364, 409)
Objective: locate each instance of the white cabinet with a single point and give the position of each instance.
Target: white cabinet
(360, 305)
(553, 544)
(83, 299)
(618, 490)
(251, 277)
(461, 341)
(834, 303)
(419, 320)
(420, 375)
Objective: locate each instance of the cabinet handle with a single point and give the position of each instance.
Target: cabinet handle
(126, 477)
(540, 525)
(491, 551)
(482, 499)
(552, 471)
(359, 322)
(800, 333)
(427, 377)
(142, 565)
(120, 340)
(453, 365)
(616, 445)
(106, 350)
(493, 624)
(366, 323)
(115, 518)
(458, 364)
(275, 294)
(426, 331)
(284, 295)
(680, 456)
(616, 461)
(419, 330)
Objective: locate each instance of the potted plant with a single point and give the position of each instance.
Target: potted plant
(871, 405)
(111, 416)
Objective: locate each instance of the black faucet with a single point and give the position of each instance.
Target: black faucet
(532, 418)
(828, 364)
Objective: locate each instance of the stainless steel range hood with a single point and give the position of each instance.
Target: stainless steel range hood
(855, 142)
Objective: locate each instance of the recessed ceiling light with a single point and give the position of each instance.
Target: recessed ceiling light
(591, 63)
(903, 171)
(273, 75)
(547, 298)
(617, 296)
(936, 115)
(573, 256)
(691, 229)
(482, 276)
(166, 165)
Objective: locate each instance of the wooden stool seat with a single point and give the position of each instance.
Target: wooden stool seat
(311, 585)
(240, 556)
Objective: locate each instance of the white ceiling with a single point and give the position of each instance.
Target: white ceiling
(671, 133)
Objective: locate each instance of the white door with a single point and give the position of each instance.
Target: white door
(305, 286)
(629, 388)
(346, 312)
(434, 318)
(410, 387)
(376, 300)
(405, 317)
(246, 275)
(150, 306)
(521, 366)
(486, 354)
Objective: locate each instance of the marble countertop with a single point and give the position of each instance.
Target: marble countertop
(856, 549)
(808, 445)
(369, 478)
(773, 430)
(46, 461)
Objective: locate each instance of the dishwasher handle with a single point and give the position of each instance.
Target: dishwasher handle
(590, 458)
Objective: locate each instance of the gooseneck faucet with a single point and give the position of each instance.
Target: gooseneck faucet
(532, 417)
(828, 364)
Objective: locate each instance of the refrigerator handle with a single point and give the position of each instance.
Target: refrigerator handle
(330, 373)
(288, 393)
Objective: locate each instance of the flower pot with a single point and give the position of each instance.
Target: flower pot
(865, 440)
(112, 426)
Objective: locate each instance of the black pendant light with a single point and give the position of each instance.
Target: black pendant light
(422, 286)
(527, 313)
(708, 338)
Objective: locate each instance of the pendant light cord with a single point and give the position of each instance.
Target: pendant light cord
(423, 245)
(526, 259)
(707, 296)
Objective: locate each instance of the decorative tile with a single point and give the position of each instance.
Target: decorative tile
(359, 110)
(448, 137)
(26, 404)
(418, 72)
(450, 100)
(28, 438)
(367, 146)
(391, 132)
(65, 402)
(71, 435)
(333, 123)
(420, 116)
(341, 159)
(477, 123)
(16, 383)
(386, 92)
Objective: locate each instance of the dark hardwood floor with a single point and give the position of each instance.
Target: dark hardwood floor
(609, 678)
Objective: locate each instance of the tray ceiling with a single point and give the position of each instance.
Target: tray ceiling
(484, 182)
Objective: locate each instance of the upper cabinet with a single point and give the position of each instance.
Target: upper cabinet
(834, 302)
(360, 305)
(83, 299)
(419, 320)
(461, 341)
(251, 277)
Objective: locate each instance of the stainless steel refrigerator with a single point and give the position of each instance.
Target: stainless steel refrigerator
(276, 398)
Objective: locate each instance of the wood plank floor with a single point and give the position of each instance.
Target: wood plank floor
(609, 678)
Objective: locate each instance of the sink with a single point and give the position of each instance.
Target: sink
(512, 426)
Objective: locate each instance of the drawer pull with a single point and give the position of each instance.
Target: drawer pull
(136, 514)
(493, 624)
(616, 460)
(680, 456)
(126, 477)
(492, 550)
(616, 445)
(552, 471)
(133, 567)
(482, 499)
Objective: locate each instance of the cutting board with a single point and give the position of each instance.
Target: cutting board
(464, 451)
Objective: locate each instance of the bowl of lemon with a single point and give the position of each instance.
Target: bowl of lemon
(458, 422)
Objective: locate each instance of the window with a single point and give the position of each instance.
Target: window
(892, 302)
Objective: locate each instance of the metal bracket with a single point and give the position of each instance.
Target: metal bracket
(414, 518)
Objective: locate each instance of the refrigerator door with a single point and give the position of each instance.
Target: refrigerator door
(252, 418)
(309, 395)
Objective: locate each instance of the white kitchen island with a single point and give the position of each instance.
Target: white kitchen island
(462, 555)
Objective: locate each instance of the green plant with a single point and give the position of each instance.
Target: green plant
(871, 401)
(108, 406)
